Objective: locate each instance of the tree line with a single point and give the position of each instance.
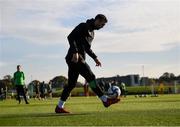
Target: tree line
(60, 81)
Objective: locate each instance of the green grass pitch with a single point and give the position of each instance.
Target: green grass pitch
(150, 111)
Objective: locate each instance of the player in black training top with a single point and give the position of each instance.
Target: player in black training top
(80, 40)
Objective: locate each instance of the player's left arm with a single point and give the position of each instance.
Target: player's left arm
(93, 55)
(84, 33)
(23, 75)
(14, 78)
(98, 63)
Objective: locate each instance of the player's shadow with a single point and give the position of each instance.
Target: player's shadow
(42, 115)
(62, 114)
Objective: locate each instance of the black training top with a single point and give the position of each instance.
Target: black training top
(80, 40)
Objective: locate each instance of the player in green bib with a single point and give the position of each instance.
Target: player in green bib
(19, 81)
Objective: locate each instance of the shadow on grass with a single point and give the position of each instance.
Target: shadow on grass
(41, 115)
(25, 105)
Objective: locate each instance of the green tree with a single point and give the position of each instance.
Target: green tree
(7, 81)
(167, 77)
(59, 81)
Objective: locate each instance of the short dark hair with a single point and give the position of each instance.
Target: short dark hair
(18, 66)
(101, 17)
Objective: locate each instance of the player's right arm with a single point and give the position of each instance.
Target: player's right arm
(14, 78)
(72, 38)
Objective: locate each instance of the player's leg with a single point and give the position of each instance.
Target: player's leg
(18, 93)
(72, 79)
(23, 93)
(86, 72)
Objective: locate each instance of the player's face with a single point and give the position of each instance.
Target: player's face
(19, 68)
(99, 24)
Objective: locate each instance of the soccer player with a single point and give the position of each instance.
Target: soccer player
(80, 40)
(19, 79)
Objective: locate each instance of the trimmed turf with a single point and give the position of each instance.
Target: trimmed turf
(150, 111)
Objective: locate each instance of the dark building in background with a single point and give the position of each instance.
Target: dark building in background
(130, 80)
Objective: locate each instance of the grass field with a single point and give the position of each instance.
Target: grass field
(150, 111)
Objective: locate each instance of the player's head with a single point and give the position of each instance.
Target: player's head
(100, 21)
(18, 67)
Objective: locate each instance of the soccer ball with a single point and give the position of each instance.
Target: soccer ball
(114, 92)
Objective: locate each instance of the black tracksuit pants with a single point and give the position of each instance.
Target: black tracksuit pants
(20, 91)
(74, 69)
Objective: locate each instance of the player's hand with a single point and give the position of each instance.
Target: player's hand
(98, 63)
(75, 58)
